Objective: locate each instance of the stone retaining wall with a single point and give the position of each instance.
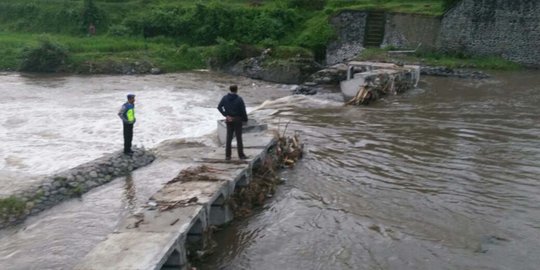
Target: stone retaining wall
(509, 29)
(350, 26)
(406, 31)
(70, 183)
(504, 28)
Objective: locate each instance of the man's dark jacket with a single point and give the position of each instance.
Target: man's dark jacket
(233, 105)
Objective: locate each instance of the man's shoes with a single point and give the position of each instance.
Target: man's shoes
(227, 158)
(129, 153)
(244, 157)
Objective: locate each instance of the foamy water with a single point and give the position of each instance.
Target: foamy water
(54, 123)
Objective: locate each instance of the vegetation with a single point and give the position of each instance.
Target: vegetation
(440, 59)
(48, 56)
(171, 34)
(11, 206)
(448, 4)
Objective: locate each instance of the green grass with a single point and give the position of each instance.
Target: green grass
(440, 59)
(451, 61)
(162, 52)
(11, 206)
(427, 7)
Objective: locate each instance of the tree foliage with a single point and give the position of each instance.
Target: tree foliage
(307, 4)
(224, 52)
(448, 4)
(204, 23)
(91, 14)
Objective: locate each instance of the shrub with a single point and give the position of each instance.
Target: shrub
(224, 52)
(269, 43)
(48, 56)
(119, 31)
(90, 13)
(307, 4)
(287, 52)
(202, 24)
(316, 34)
(448, 4)
(10, 206)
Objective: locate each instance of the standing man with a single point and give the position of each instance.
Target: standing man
(127, 114)
(233, 108)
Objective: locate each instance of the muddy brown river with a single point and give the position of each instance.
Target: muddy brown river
(446, 176)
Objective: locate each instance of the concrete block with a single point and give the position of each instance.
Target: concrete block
(178, 220)
(252, 126)
(130, 251)
(205, 191)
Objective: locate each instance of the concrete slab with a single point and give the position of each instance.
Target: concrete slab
(178, 220)
(252, 126)
(378, 65)
(376, 72)
(218, 156)
(130, 251)
(257, 140)
(204, 191)
(372, 64)
(253, 140)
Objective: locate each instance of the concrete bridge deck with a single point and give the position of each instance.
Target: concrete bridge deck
(178, 215)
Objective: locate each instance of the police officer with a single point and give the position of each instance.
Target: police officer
(127, 114)
(233, 108)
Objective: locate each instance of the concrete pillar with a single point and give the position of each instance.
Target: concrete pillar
(220, 212)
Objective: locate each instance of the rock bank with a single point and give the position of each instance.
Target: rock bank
(117, 67)
(291, 71)
(70, 183)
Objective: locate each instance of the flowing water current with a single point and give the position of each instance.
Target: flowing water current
(446, 176)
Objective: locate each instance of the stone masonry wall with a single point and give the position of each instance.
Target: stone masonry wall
(350, 28)
(406, 31)
(506, 28)
(70, 183)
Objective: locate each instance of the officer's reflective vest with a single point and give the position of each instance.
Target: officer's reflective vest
(130, 113)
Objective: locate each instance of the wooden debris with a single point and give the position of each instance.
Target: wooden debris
(165, 206)
(195, 174)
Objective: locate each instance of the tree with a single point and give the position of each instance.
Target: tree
(448, 4)
(91, 14)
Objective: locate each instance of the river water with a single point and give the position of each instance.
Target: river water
(445, 176)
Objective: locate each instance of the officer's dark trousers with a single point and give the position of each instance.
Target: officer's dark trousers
(234, 127)
(128, 137)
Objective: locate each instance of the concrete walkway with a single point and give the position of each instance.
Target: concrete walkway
(178, 215)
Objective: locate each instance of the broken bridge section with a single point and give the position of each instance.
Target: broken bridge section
(370, 81)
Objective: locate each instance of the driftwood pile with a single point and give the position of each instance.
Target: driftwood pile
(286, 153)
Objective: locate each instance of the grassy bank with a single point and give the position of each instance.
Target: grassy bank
(103, 49)
(439, 59)
(177, 35)
(425, 7)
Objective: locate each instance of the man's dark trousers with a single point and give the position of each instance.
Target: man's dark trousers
(128, 137)
(234, 127)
